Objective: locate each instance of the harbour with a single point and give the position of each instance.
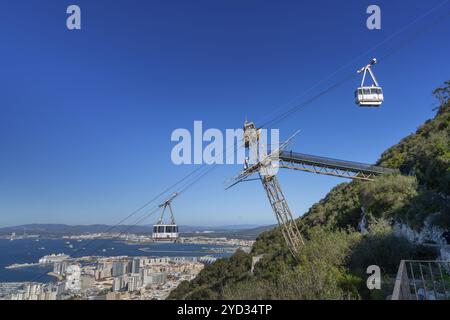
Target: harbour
(19, 259)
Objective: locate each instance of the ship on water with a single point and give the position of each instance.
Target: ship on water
(53, 258)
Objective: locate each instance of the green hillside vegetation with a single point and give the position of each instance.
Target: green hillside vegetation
(333, 261)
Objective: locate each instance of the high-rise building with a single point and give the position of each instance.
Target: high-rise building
(153, 261)
(153, 278)
(60, 268)
(134, 282)
(39, 291)
(119, 283)
(135, 265)
(104, 270)
(73, 277)
(119, 268)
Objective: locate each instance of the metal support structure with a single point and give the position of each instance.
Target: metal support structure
(368, 68)
(331, 167)
(296, 161)
(328, 171)
(167, 204)
(280, 207)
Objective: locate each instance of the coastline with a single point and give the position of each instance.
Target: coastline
(57, 276)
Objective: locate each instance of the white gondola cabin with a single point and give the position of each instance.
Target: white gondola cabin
(369, 96)
(166, 232)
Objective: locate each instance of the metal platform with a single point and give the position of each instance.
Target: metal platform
(332, 167)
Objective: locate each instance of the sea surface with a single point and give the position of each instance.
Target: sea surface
(30, 251)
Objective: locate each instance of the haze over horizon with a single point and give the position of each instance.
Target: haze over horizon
(238, 226)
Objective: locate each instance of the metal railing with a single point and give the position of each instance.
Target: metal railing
(422, 280)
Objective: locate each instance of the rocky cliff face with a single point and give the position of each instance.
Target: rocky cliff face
(428, 234)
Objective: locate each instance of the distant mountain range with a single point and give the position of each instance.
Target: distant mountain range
(244, 231)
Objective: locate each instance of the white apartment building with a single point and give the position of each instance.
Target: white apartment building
(73, 277)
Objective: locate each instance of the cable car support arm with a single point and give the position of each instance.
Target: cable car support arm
(167, 204)
(331, 167)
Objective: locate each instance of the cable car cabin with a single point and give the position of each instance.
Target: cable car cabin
(165, 233)
(369, 96)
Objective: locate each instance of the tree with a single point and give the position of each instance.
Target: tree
(443, 93)
(388, 196)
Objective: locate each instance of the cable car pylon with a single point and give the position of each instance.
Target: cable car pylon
(279, 158)
(163, 232)
(263, 168)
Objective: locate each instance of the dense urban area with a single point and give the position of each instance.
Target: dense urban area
(115, 277)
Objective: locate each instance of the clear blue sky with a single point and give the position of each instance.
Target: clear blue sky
(86, 116)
